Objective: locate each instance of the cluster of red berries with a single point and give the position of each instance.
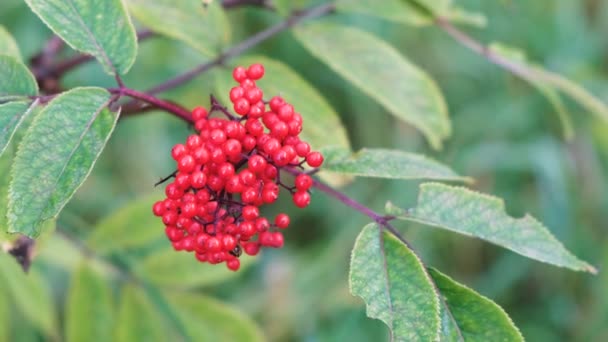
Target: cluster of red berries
(232, 167)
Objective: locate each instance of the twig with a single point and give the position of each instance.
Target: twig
(244, 46)
(170, 107)
(482, 50)
(229, 4)
(60, 68)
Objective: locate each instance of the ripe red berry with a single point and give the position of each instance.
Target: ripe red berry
(255, 71)
(239, 74)
(250, 212)
(257, 164)
(314, 159)
(236, 93)
(241, 106)
(233, 264)
(159, 208)
(281, 221)
(199, 113)
(178, 151)
(303, 182)
(186, 163)
(301, 199)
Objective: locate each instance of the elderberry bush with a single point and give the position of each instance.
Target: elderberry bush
(375, 170)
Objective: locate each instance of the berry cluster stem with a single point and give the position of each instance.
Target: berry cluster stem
(170, 107)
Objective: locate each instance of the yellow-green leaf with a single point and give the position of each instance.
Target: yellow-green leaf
(8, 46)
(204, 28)
(89, 312)
(482, 216)
(382, 73)
(16, 81)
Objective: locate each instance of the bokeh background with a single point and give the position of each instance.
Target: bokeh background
(505, 134)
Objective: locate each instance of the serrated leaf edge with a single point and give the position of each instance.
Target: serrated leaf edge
(34, 232)
(102, 55)
(12, 134)
(501, 205)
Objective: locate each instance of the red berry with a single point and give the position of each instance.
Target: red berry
(241, 106)
(236, 93)
(239, 74)
(250, 212)
(186, 164)
(178, 151)
(281, 221)
(257, 164)
(173, 191)
(285, 112)
(213, 244)
(159, 208)
(251, 248)
(199, 113)
(233, 264)
(301, 199)
(302, 149)
(314, 159)
(255, 71)
(232, 147)
(276, 103)
(254, 95)
(198, 180)
(303, 182)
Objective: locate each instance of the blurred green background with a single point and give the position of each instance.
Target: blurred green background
(505, 135)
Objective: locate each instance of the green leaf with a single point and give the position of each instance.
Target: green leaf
(474, 214)
(137, 318)
(16, 81)
(322, 126)
(478, 318)
(89, 307)
(431, 8)
(29, 293)
(56, 155)
(11, 117)
(5, 312)
(395, 286)
(181, 270)
(204, 28)
(8, 46)
(383, 74)
(393, 10)
(206, 319)
(130, 226)
(100, 28)
(383, 163)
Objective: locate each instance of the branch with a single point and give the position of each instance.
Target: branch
(229, 4)
(170, 107)
(482, 50)
(57, 70)
(245, 45)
